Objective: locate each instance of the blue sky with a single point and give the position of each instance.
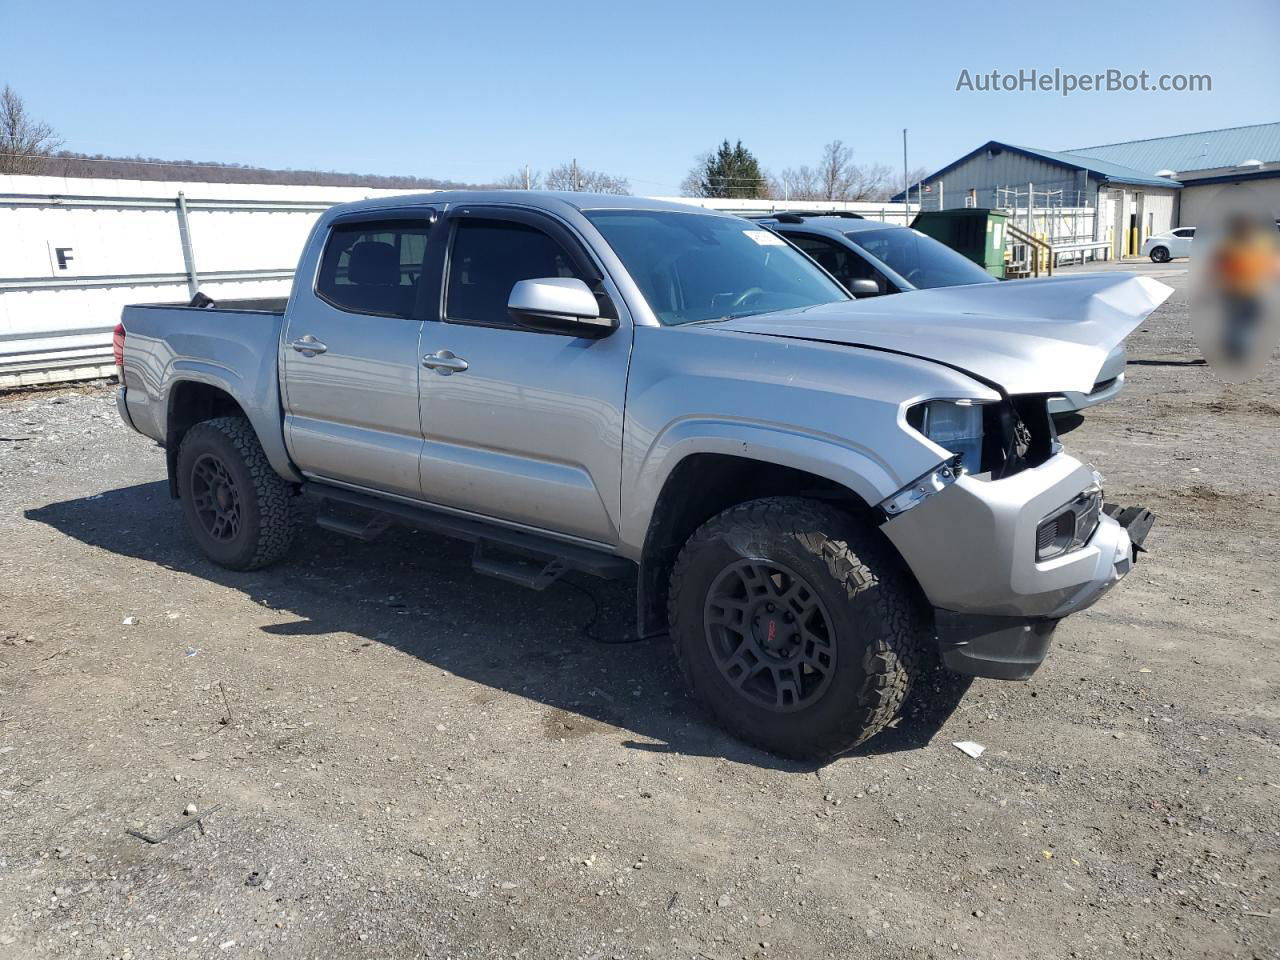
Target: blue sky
(475, 90)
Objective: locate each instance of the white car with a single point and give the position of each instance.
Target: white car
(1163, 247)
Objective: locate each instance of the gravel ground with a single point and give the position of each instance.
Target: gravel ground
(393, 757)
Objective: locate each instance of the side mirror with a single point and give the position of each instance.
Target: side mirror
(559, 305)
(864, 288)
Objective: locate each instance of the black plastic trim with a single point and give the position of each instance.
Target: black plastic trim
(1000, 648)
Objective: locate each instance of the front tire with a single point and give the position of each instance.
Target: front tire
(797, 625)
(1160, 255)
(237, 507)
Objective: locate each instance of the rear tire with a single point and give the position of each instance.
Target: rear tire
(797, 625)
(237, 507)
(1160, 255)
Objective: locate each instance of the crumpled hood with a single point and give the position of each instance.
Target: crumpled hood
(1049, 335)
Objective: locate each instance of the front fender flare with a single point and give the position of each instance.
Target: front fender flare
(850, 465)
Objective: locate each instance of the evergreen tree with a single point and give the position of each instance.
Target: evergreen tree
(731, 171)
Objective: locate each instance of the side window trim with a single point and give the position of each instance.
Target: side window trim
(426, 216)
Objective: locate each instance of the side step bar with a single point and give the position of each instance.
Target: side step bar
(537, 562)
(361, 531)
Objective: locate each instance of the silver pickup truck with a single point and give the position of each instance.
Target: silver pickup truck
(817, 496)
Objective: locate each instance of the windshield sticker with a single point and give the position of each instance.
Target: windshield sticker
(765, 238)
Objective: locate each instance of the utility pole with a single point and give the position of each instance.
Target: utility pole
(577, 184)
(526, 176)
(906, 185)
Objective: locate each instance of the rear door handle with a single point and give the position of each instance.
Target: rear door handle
(308, 346)
(444, 362)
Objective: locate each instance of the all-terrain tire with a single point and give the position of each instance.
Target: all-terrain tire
(264, 528)
(880, 627)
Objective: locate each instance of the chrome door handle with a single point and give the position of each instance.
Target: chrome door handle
(308, 346)
(444, 362)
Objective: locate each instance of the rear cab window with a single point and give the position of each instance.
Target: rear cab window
(374, 266)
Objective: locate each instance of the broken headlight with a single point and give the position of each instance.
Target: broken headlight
(1070, 526)
(954, 425)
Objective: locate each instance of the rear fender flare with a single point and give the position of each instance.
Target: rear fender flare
(263, 412)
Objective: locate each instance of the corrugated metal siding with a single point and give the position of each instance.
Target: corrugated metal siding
(1157, 208)
(1207, 150)
(122, 238)
(984, 173)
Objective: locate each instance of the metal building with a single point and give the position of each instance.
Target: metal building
(1076, 203)
(1205, 163)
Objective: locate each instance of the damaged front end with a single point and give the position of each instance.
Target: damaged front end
(1007, 541)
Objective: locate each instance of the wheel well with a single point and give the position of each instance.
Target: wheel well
(701, 486)
(191, 403)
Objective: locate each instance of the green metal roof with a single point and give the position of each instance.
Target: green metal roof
(1106, 169)
(1206, 150)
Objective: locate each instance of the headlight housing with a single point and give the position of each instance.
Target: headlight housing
(954, 425)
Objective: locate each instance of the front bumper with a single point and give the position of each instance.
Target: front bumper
(972, 549)
(1012, 648)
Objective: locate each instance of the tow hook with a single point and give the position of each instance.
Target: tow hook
(1137, 522)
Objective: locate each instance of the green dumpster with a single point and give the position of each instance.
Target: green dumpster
(977, 233)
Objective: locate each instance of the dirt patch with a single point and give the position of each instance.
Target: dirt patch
(562, 725)
(484, 780)
(1208, 505)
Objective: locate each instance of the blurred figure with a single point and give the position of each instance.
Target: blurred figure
(1244, 266)
(1236, 283)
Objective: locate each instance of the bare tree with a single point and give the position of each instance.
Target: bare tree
(915, 177)
(569, 176)
(836, 172)
(836, 177)
(800, 183)
(522, 179)
(872, 183)
(24, 141)
(691, 185)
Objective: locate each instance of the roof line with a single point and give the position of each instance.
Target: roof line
(1172, 136)
(1076, 162)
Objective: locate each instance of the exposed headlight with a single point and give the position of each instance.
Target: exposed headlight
(954, 425)
(1070, 526)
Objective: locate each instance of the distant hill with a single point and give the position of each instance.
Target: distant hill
(67, 164)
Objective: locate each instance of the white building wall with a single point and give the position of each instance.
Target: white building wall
(73, 252)
(1157, 211)
(1196, 202)
(120, 243)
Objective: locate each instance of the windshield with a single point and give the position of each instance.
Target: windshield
(693, 267)
(919, 259)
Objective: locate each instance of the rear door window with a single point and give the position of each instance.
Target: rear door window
(373, 267)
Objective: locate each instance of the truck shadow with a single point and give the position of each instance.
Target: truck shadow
(567, 647)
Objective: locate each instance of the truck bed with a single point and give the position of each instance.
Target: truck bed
(250, 305)
(233, 346)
